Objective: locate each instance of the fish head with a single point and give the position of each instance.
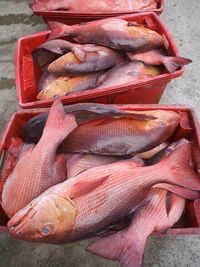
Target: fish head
(173, 146)
(56, 88)
(146, 38)
(47, 219)
(167, 151)
(164, 120)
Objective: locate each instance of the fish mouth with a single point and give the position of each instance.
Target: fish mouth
(16, 223)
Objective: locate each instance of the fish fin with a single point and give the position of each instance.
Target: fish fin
(59, 124)
(79, 53)
(91, 48)
(179, 172)
(179, 190)
(71, 164)
(41, 94)
(84, 187)
(60, 167)
(172, 63)
(58, 29)
(125, 249)
(138, 162)
(175, 208)
(52, 47)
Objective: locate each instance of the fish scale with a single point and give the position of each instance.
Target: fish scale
(95, 6)
(113, 202)
(37, 170)
(122, 136)
(125, 187)
(127, 246)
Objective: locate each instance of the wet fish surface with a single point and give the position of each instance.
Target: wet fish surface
(94, 5)
(100, 197)
(127, 246)
(94, 61)
(114, 33)
(38, 169)
(126, 73)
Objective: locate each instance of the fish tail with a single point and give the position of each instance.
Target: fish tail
(128, 251)
(58, 29)
(58, 124)
(172, 63)
(179, 172)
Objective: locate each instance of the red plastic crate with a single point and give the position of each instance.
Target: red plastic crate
(93, 15)
(146, 91)
(190, 221)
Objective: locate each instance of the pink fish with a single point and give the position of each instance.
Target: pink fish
(156, 57)
(64, 85)
(84, 112)
(127, 246)
(94, 61)
(122, 136)
(45, 80)
(100, 197)
(126, 73)
(113, 32)
(37, 168)
(94, 5)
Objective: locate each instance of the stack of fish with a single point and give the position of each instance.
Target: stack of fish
(94, 5)
(93, 169)
(109, 52)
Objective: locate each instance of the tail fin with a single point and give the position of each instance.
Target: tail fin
(58, 29)
(178, 171)
(58, 124)
(129, 252)
(172, 63)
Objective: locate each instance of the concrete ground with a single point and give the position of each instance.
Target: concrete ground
(182, 20)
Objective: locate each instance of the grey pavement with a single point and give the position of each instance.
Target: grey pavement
(182, 20)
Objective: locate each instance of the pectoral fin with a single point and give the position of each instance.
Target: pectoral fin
(84, 187)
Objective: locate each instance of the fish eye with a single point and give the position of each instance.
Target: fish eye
(148, 38)
(169, 149)
(46, 231)
(163, 124)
